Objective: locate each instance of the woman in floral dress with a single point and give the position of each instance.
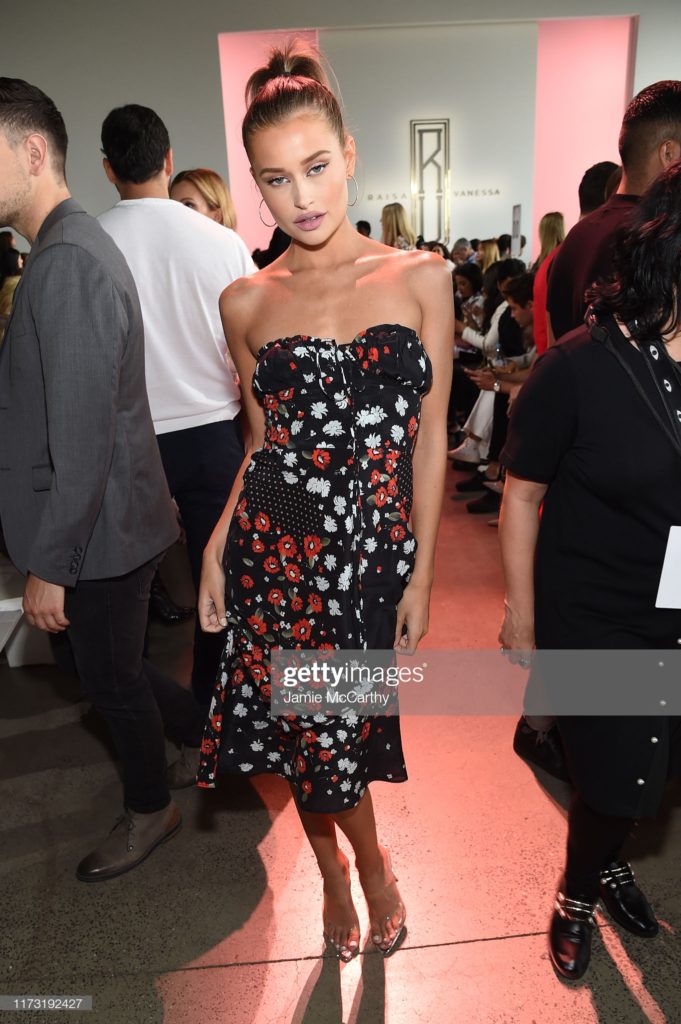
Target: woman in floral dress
(318, 546)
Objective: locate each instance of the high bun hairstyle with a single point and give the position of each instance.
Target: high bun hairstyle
(292, 82)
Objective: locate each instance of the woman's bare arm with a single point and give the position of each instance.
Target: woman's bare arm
(518, 529)
(434, 290)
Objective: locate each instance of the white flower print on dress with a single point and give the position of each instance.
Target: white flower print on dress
(373, 415)
(318, 410)
(334, 428)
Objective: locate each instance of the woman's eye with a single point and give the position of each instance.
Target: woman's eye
(317, 169)
(276, 181)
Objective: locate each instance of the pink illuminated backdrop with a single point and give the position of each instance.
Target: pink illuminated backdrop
(584, 81)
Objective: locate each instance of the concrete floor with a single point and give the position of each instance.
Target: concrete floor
(223, 924)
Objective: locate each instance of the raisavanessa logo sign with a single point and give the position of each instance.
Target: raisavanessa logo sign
(457, 193)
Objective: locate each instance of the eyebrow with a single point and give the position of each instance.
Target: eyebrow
(307, 160)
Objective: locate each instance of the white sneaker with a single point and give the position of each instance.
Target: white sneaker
(468, 451)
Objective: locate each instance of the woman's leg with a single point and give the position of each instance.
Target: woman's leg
(594, 841)
(341, 924)
(386, 910)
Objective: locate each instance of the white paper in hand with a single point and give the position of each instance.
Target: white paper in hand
(669, 591)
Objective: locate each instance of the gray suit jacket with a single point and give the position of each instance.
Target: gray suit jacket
(83, 494)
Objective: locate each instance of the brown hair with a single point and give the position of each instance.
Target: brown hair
(214, 190)
(293, 81)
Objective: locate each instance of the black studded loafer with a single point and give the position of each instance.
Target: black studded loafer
(625, 902)
(572, 925)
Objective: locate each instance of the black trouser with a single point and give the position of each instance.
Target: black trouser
(464, 392)
(108, 620)
(594, 841)
(499, 427)
(200, 465)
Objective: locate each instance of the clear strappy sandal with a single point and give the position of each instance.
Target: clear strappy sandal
(399, 911)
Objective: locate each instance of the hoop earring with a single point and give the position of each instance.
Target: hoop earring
(261, 218)
(354, 202)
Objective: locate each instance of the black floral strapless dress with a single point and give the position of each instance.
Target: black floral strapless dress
(318, 553)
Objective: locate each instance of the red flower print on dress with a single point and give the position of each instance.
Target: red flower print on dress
(261, 521)
(287, 546)
(286, 394)
(312, 545)
(397, 533)
(306, 786)
(411, 426)
(296, 603)
(324, 755)
(270, 403)
(310, 736)
(372, 354)
(246, 581)
(257, 625)
(375, 477)
(301, 764)
(257, 546)
(271, 564)
(315, 602)
(381, 497)
(375, 453)
(321, 458)
(366, 729)
(275, 596)
(302, 629)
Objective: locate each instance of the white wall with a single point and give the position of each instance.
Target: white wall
(90, 56)
(391, 76)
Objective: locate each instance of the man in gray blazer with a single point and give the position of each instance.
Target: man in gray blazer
(84, 504)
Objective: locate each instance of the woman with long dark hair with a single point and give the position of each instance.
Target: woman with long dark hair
(595, 435)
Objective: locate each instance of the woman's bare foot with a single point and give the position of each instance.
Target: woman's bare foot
(387, 912)
(341, 924)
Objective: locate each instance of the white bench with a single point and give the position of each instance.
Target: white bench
(21, 643)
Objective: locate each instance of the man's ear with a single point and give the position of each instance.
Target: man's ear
(108, 170)
(168, 163)
(37, 153)
(668, 152)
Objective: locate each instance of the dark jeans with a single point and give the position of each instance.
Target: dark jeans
(108, 620)
(200, 465)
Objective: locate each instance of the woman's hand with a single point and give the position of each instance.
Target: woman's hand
(412, 613)
(484, 379)
(211, 603)
(516, 636)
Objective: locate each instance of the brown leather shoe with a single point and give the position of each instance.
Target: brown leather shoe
(131, 840)
(182, 773)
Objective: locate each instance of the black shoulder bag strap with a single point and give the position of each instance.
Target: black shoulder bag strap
(604, 330)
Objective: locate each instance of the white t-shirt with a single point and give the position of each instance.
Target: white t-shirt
(181, 262)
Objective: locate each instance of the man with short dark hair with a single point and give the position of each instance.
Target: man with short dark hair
(181, 262)
(650, 140)
(84, 505)
(364, 228)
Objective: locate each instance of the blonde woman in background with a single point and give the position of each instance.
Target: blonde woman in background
(488, 253)
(551, 234)
(395, 227)
(206, 192)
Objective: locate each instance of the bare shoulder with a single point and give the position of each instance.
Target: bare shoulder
(426, 269)
(242, 300)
